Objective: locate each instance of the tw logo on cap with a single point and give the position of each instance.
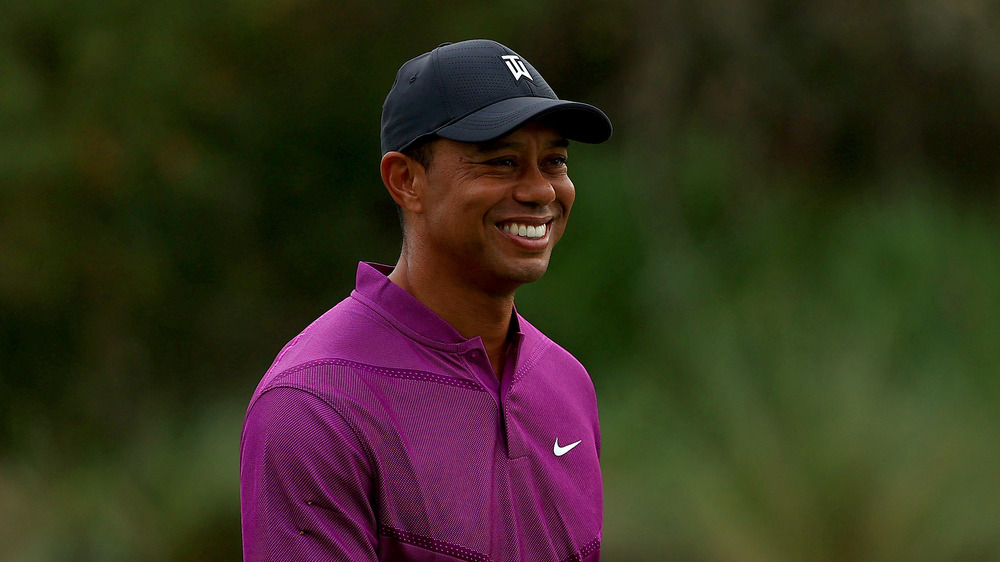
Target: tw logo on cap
(516, 67)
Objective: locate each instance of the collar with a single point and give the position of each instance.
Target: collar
(411, 316)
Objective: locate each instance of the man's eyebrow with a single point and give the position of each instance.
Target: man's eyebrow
(503, 144)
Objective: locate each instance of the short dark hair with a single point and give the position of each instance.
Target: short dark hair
(422, 151)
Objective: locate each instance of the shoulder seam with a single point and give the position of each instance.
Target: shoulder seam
(411, 374)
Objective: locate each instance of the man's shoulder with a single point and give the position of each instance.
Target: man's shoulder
(341, 331)
(341, 337)
(540, 349)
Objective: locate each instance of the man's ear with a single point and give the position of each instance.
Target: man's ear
(404, 178)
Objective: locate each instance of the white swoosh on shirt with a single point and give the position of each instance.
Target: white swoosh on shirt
(560, 451)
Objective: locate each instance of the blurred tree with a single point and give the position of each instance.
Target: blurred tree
(799, 202)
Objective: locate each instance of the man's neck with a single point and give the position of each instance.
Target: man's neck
(472, 312)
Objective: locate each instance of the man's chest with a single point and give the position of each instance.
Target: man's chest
(509, 477)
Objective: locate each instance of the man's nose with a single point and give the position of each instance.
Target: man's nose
(534, 187)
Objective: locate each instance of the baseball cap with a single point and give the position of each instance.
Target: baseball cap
(476, 91)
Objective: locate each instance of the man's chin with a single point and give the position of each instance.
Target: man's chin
(525, 273)
(508, 279)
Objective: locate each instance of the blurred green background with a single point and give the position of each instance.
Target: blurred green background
(782, 271)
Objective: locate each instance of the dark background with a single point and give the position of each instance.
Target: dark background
(782, 271)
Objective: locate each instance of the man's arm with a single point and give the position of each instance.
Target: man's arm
(304, 482)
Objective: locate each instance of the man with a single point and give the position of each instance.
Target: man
(422, 418)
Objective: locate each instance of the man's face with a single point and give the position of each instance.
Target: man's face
(493, 211)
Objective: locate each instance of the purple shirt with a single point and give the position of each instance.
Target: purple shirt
(380, 433)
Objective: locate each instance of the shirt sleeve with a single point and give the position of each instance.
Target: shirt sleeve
(305, 482)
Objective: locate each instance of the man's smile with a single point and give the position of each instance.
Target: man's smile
(524, 230)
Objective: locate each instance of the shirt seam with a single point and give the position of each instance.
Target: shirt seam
(411, 374)
(433, 545)
(528, 363)
(587, 549)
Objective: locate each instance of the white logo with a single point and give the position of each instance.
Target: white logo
(516, 67)
(560, 451)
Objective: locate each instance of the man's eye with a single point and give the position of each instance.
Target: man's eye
(504, 162)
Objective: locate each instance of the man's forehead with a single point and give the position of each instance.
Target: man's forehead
(507, 143)
(546, 136)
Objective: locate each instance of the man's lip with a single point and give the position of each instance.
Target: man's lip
(527, 221)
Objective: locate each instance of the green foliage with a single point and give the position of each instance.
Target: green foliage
(780, 271)
(827, 401)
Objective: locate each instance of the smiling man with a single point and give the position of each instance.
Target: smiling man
(422, 418)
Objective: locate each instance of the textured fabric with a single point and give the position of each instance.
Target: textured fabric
(380, 433)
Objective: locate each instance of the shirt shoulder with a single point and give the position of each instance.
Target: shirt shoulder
(350, 332)
(541, 353)
(352, 356)
(341, 331)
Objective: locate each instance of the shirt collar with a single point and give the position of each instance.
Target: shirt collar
(411, 316)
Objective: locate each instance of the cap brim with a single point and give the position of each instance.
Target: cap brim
(576, 121)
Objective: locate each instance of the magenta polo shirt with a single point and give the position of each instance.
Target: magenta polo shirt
(380, 433)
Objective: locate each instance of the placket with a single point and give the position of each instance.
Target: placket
(479, 365)
(514, 437)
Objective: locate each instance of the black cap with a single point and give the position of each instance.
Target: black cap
(475, 91)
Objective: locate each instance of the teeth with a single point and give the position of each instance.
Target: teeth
(527, 231)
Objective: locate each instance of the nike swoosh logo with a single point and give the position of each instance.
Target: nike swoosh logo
(560, 451)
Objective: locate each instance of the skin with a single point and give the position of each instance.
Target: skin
(455, 258)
